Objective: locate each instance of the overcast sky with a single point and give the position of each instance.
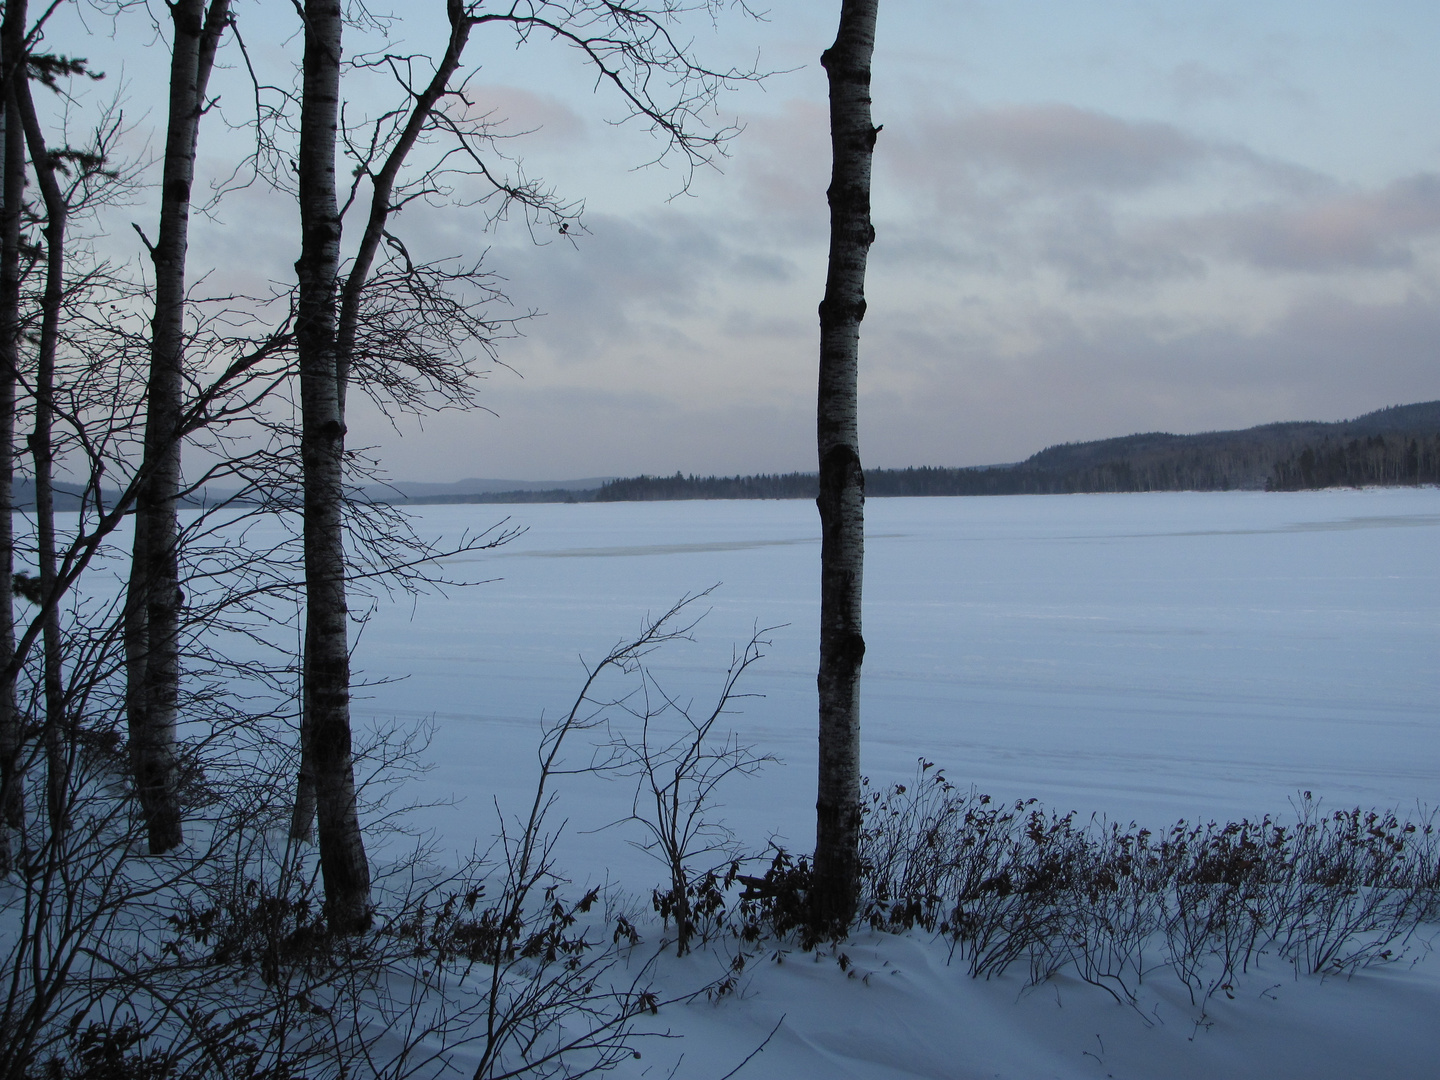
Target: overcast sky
(1093, 217)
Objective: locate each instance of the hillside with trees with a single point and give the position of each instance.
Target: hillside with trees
(1397, 445)
(1372, 461)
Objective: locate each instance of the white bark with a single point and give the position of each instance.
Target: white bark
(155, 598)
(343, 863)
(842, 483)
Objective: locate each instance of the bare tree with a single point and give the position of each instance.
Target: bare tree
(44, 161)
(678, 774)
(842, 482)
(12, 165)
(152, 615)
(327, 735)
(98, 935)
(347, 322)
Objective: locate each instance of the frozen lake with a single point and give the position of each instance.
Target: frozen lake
(1145, 657)
(1142, 656)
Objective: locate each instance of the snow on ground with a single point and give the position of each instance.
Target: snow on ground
(1144, 657)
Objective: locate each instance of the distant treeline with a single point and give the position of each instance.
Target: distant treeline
(1023, 479)
(1398, 445)
(652, 488)
(1360, 462)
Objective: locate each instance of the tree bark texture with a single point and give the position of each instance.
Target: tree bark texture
(841, 500)
(155, 599)
(58, 745)
(349, 301)
(12, 188)
(343, 864)
(302, 815)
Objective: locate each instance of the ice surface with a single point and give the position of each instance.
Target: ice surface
(1142, 656)
(1139, 656)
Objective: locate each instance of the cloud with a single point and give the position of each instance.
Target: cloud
(945, 384)
(542, 118)
(1042, 274)
(759, 266)
(1107, 203)
(624, 274)
(1093, 251)
(1373, 230)
(1017, 190)
(945, 395)
(1193, 83)
(782, 161)
(1040, 148)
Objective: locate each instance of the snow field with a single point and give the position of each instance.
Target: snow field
(1142, 657)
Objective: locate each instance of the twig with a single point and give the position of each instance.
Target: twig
(757, 1049)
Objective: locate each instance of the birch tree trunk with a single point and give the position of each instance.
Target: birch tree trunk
(12, 187)
(345, 318)
(344, 868)
(55, 728)
(841, 500)
(154, 601)
(302, 814)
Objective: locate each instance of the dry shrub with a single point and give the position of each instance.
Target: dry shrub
(1332, 892)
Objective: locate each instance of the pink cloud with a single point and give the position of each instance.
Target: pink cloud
(1356, 229)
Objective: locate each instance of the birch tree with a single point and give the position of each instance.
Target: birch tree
(327, 736)
(390, 328)
(152, 613)
(43, 162)
(12, 189)
(842, 482)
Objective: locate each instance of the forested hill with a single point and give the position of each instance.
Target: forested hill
(1398, 445)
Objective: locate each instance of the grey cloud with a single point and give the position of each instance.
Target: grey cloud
(1045, 147)
(514, 110)
(1080, 238)
(635, 283)
(782, 162)
(755, 266)
(744, 323)
(1011, 153)
(942, 390)
(1024, 187)
(1361, 230)
(962, 401)
(1192, 83)
(1070, 147)
(906, 244)
(1016, 188)
(1093, 252)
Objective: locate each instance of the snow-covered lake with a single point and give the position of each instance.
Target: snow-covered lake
(1141, 656)
(1145, 657)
